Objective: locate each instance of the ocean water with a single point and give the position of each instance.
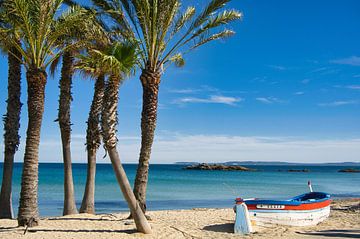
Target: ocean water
(171, 187)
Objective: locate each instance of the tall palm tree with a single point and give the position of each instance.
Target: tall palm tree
(93, 142)
(165, 33)
(116, 61)
(65, 130)
(93, 132)
(96, 36)
(41, 31)
(88, 33)
(11, 121)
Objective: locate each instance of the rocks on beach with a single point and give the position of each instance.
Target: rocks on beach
(221, 167)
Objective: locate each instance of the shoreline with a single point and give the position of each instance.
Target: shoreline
(194, 223)
(54, 208)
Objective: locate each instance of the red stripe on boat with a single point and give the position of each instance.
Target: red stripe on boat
(305, 206)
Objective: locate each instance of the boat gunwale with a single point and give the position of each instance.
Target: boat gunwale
(290, 202)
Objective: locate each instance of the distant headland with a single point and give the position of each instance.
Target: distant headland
(222, 167)
(274, 163)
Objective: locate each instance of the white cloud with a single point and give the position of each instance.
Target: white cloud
(353, 87)
(277, 67)
(319, 69)
(299, 93)
(264, 100)
(353, 61)
(339, 103)
(216, 148)
(260, 79)
(214, 99)
(203, 88)
(269, 100)
(184, 91)
(305, 81)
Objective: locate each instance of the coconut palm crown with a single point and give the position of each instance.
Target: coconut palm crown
(165, 32)
(42, 31)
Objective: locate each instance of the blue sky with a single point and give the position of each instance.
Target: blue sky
(285, 87)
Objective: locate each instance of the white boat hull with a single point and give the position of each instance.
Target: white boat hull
(289, 217)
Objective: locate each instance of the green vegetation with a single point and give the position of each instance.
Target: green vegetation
(107, 41)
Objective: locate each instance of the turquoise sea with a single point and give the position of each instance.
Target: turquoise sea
(171, 187)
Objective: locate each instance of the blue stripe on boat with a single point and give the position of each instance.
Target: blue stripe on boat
(307, 198)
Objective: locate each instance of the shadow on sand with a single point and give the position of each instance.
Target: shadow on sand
(33, 230)
(82, 230)
(334, 233)
(7, 228)
(86, 219)
(227, 227)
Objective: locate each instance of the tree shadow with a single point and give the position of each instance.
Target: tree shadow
(34, 230)
(128, 231)
(86, 219)
(334, 233)
(227, 227)
(6, 229)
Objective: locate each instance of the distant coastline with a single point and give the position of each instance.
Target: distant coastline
(253, 163)
(275, 163)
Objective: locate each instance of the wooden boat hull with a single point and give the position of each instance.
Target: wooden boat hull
(304, 210)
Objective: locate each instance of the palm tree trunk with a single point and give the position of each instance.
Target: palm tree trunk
(28, 206)
(11, 128)
(65, 130)
(150, 82)
(93, 141)
(109, 122)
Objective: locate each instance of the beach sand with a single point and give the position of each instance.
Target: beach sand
(344, 222)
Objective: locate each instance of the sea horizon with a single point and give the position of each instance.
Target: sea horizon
(345, 163)
(171, 187)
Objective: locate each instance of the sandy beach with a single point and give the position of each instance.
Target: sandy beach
(344, 222)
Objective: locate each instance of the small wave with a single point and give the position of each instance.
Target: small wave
(345, 195)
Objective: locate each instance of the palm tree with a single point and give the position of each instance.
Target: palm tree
(41, 31)
(65, 130)
(93, 142)
(90, 30)
(165, 33)
(11, 122)
(116, 61)
(98, 38)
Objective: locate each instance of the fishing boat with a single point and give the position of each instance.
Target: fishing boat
(304, 210)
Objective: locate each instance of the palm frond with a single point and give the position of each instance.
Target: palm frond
(121, 12)
(54, 64)
(71, 3)
(210, 9)
(220, 19)
(159, 26)
(183, 19)
(178, 60)
(117, 59)
(221, 35)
